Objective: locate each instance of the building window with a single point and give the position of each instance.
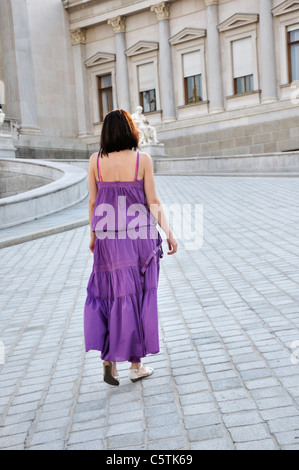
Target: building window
(293, 52)
(105, 95)
(147, 87)
(193, 89)
(148, 100)
(242, 65)
(243, 84)
(192, 77)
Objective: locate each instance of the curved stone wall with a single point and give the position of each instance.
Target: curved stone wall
(67, 187)
(271, 163)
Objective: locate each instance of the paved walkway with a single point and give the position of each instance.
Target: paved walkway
(225, 377)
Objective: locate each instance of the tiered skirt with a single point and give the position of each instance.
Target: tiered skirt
(121, 308)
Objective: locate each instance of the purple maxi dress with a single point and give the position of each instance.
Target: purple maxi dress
(121, 312)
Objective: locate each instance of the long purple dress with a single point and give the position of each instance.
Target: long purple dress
(121, 311)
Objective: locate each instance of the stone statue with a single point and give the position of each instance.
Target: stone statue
(2, 117)
(147, 133)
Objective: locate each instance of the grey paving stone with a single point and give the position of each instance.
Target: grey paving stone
(44, 437)
(200, 420)
(162, 420)
(125, 440)
(159, 399)
(232, 406)
(174, 443)
(90, 424)
(86, 436)
(124, 428)
(15, 429)
(249, 433)
(279, 412)
(160, 409)
(212, 444)
(289, 423)
(230, 383)
(231, 394)
(90, 445)
(188, 388)
(272, 402)
(287, 438)
(255, 374)
(265, 444)
(19, 418)
(125, 417)
(162, 432)
(49, 446)
(268, 392)
(194, 398)
(52, 424)
(199, 408)
(155, 390)
(206, 432)
(241, 419)
(261, 383)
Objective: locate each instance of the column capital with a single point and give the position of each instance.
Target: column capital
(78, 36)
(118, 24)
(211, 2)
(162, 10)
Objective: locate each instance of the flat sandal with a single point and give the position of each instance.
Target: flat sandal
(134, 377)
(109, 378)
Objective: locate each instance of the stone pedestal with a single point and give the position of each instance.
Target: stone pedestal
(154, 150)
(7, 148)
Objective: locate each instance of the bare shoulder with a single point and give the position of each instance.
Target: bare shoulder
(146, 159)
(93, 160)
(93, 157)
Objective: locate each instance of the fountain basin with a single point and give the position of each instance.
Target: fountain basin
(68, 186)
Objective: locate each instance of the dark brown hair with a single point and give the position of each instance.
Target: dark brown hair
(119, 132)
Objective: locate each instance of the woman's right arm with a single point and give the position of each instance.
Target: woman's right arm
(154, 203)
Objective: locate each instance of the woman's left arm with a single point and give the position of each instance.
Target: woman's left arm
(92, 185)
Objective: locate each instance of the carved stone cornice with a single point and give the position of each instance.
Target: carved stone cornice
(118, 24)
(286, 7)
(187, 34)
(142, 47)
(211, 2)
(162, 10)
(237, 20)
(78, 36)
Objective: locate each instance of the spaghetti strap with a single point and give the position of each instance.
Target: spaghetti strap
(99, 170)
(137, 166)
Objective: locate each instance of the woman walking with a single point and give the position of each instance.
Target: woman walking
(120, 313)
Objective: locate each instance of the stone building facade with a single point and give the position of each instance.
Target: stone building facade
(213, 76)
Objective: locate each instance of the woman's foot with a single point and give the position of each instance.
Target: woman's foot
(110, 373)
(139, 371)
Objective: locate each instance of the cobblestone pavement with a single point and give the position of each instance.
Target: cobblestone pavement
(225, 377)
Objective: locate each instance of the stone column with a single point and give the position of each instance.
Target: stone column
(78, 37)
(18, 65)
(267, 53)
(122, 79)
(214, 57)
(165, 63)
